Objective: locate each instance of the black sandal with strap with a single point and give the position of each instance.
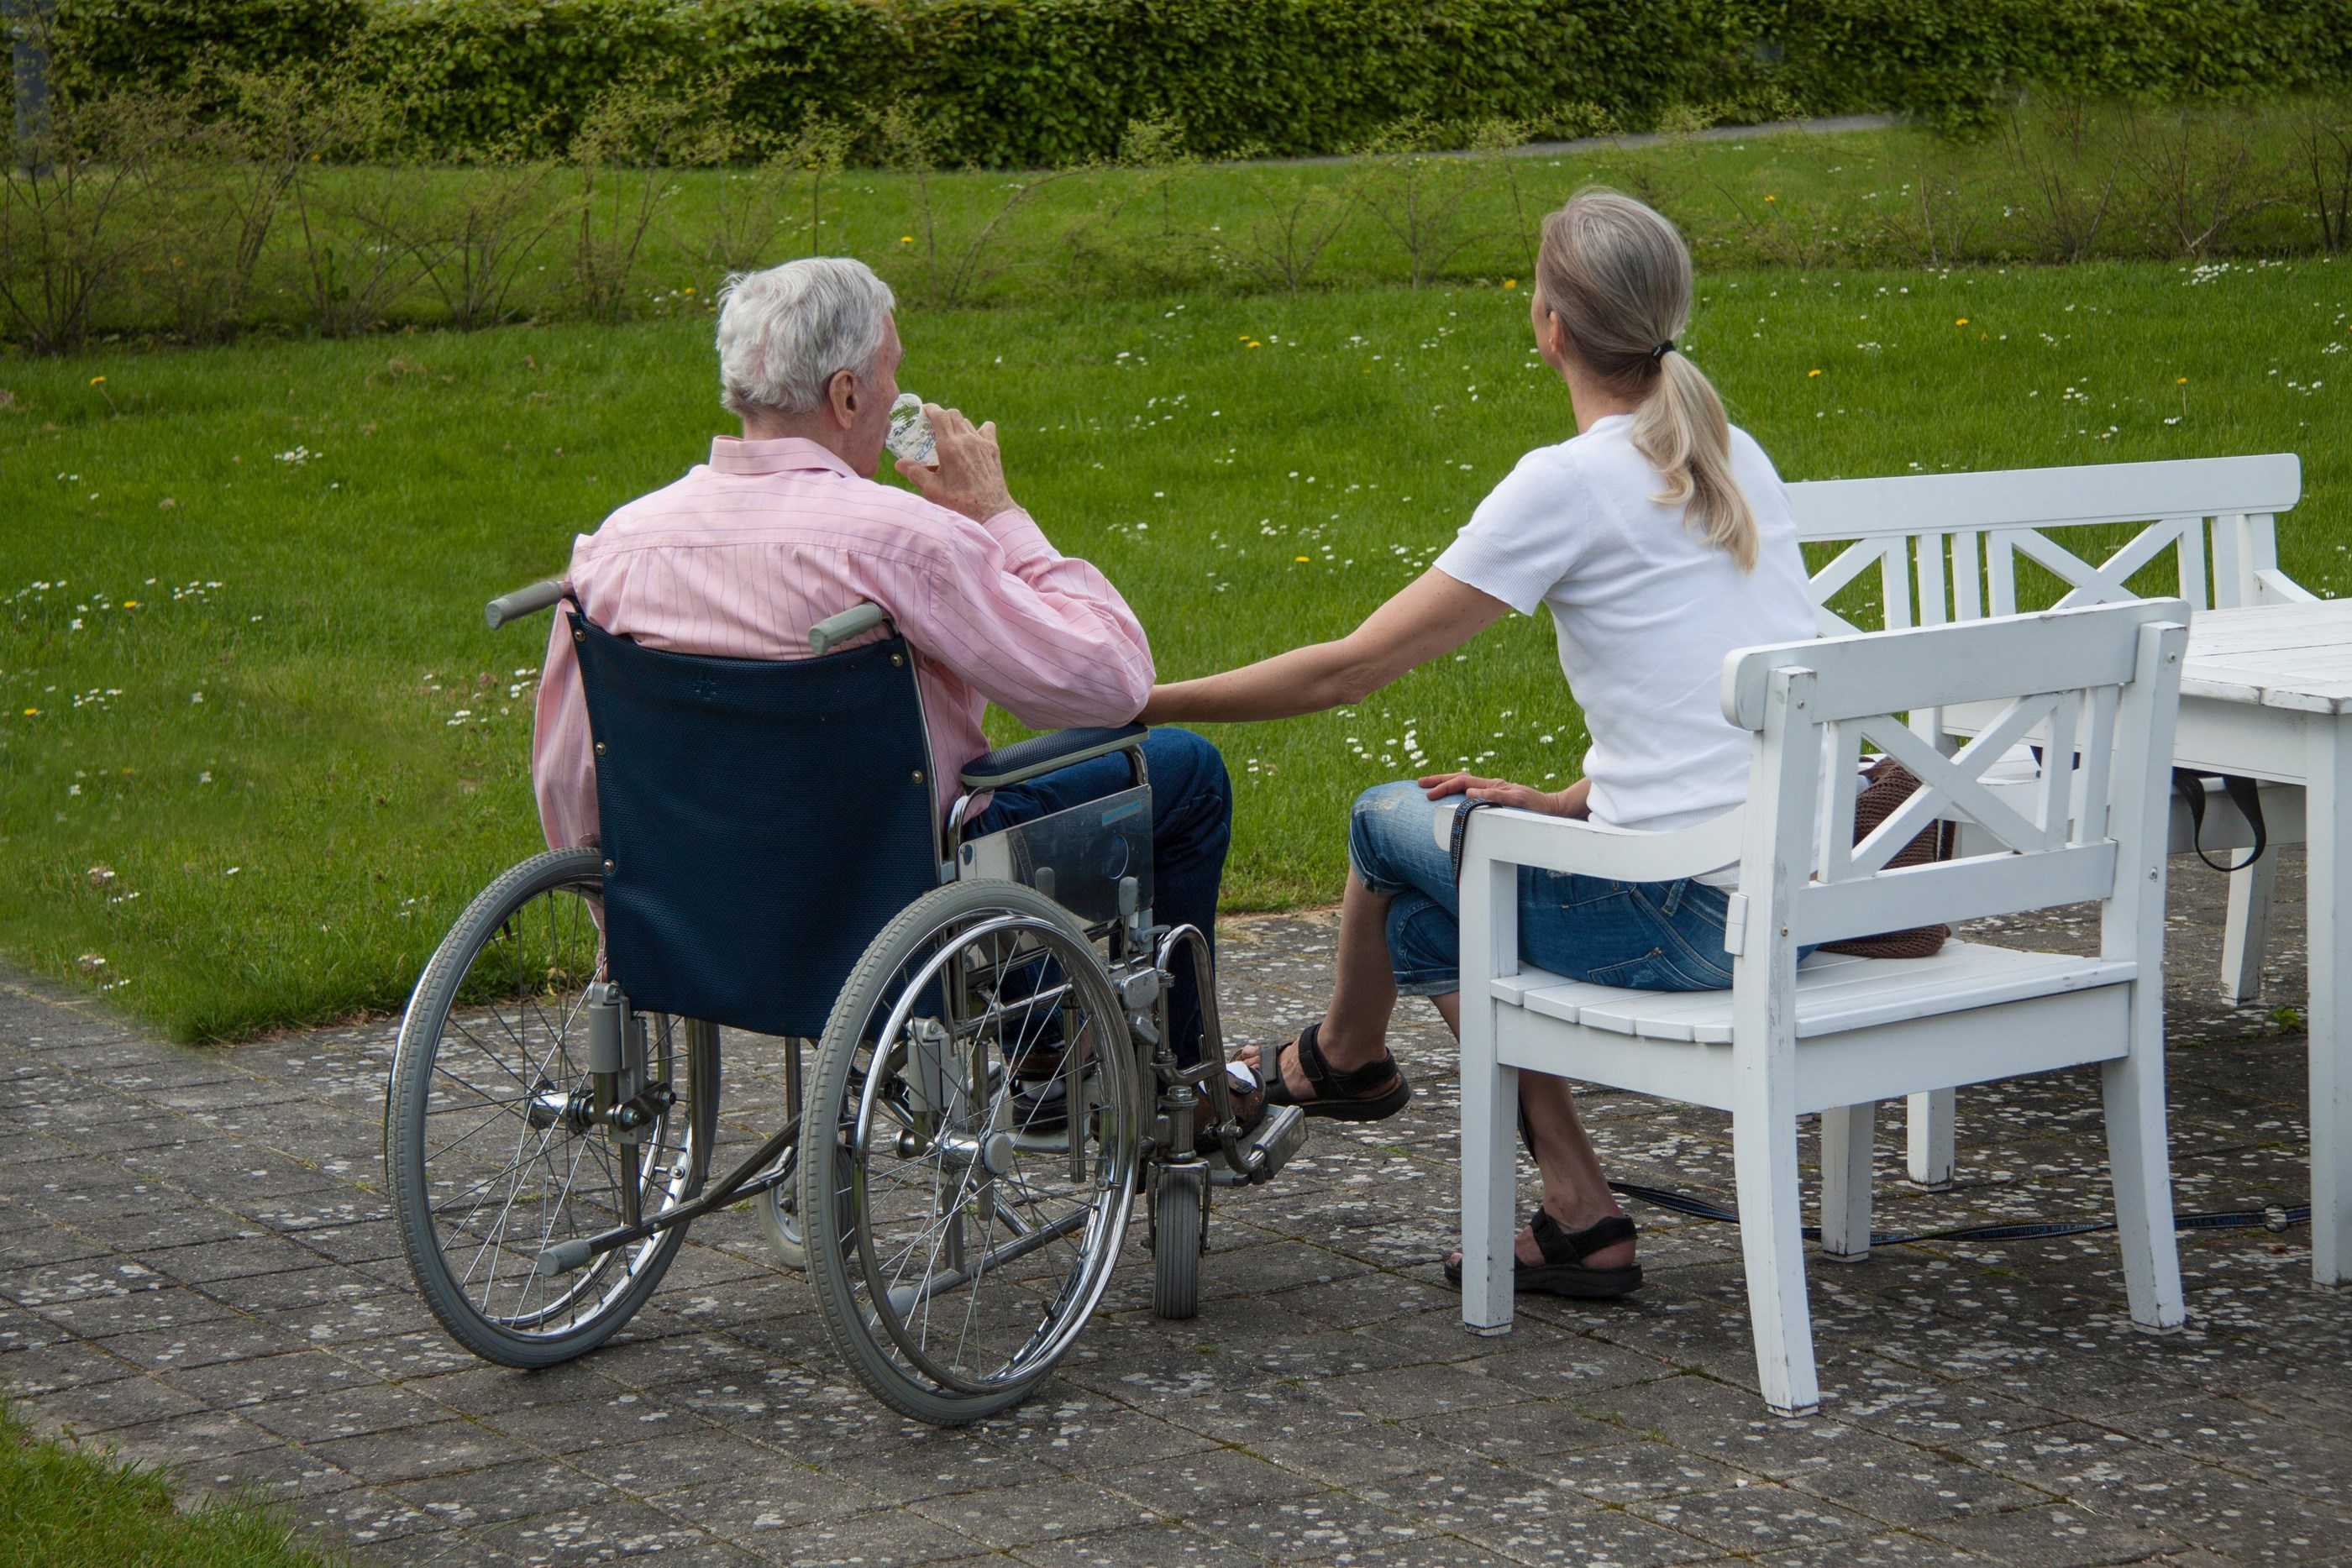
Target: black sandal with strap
(1341, 1093)
(1562, 1272)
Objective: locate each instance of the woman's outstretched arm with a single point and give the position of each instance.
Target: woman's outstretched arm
(1434, 614)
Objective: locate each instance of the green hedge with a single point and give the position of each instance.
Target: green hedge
(1029, 83)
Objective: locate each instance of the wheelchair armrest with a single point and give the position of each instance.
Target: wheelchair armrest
(1044, 753)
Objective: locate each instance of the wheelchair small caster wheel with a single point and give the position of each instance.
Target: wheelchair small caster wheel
(1180, 1227)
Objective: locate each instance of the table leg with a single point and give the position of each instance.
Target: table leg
(2329, 860)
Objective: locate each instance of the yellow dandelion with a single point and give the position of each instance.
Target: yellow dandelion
(1962, 322)
(1299, 558)
(906, 240)
(32, 713)
(2182, 382)
(1771, 198)
(131, 604)
(1810, 374)
(98, 381)
(1510, 283)
(1253, 344)
(689, 288)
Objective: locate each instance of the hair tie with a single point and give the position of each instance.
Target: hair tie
(1663, 349)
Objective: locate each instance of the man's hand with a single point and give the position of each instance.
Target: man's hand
(1568, 802)
(968, 474)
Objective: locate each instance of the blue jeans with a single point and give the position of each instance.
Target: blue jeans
(1643, 936)
(1191, 827)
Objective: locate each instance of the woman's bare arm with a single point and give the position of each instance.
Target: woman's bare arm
(1434, 614)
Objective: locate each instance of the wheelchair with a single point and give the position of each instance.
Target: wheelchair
(975, 1033)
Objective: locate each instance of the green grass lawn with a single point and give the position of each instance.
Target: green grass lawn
(244, 669)
(68, 1506)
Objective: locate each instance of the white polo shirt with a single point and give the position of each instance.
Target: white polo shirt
(1645, 610)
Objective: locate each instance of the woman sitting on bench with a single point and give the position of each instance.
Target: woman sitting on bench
(1660, 537)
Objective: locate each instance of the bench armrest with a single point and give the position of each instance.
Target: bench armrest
(1044, 753)
(2272, 586)
(1589, 849)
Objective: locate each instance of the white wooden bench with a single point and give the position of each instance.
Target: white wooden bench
(1948, 547)
(1835, 1036)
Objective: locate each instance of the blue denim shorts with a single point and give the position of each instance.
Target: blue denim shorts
(1643, 936)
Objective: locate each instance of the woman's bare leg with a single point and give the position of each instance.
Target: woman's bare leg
(1354, 1030)
(1575, 1190)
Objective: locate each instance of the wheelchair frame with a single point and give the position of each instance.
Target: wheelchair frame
(1107, 902)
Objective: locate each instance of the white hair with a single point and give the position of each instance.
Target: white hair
(786, 331)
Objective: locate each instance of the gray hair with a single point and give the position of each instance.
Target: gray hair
(786, 331)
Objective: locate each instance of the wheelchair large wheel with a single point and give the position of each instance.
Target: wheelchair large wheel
(485, 1154)
(957, 1243)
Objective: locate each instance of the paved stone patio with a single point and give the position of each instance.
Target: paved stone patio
(196, 1268)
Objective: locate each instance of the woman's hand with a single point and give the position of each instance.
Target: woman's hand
(1568, 802)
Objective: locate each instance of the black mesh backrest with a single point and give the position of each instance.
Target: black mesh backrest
(762, 822)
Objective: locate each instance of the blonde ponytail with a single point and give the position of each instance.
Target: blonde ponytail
(1619, 277)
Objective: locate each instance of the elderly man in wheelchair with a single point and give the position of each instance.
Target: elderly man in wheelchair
(761, 683)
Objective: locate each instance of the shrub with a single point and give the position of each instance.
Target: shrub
(1047, 83)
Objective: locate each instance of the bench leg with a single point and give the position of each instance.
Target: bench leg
(1847, 1134)
(1927, 1128)
(2247, 933)
(1772, 1246)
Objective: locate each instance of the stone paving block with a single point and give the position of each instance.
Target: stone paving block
(2055, 1535)
(475, 1387)
(106, 1406)
(1521, 1434)
(684, 1453)
(1630, 1472)
(47, 1287)
(1759, 1518)
(33, 1240)
(354, 1412)
(2241, 1439)
(1879, 1552)
(234, 1338)
(1013, 1516)
(410, 1453)
(762, 1501)
(58, 1365)
(894, 1538)
(1164, 1546)
(101, 1315)
(469, 1499)
(281, 1473)
(247, 1259)
(294, 1375)
(1218, 1484)
(368, 1516)
(183, 1442)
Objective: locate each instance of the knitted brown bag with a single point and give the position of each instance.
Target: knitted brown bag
(1886, 784)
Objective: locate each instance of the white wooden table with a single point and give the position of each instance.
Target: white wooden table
(2266, 691)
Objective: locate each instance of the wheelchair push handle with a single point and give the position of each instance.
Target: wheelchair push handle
(522, 601)
(835, 629)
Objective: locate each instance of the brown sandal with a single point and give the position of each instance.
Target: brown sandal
(1341, 1093)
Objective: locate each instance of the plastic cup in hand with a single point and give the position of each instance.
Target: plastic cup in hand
(910, 438)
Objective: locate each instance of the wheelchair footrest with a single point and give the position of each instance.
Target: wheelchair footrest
(1267, 1149)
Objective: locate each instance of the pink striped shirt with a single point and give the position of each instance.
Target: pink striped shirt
(743, 555)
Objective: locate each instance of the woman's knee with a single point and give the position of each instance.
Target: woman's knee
(1385, 828)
